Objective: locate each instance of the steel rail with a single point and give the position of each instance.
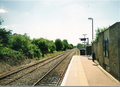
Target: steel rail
(59, 55)
(29, 72)
(51, 69)
(24, 67)
(64, 71)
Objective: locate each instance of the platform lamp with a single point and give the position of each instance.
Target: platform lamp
(92, 38)
(92, 26)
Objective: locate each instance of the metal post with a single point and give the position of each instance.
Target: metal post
(92, 26)
(92, 29)
(84, 40)
(92, 32)
(92, 35)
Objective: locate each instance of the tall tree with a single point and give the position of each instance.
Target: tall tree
(79, 45)
(1, 20)
(71, 46)
(42, 45)
(20, 42)
(59, 44)
(99, 30)
(66, 45)
(4, 36)
(51, 46)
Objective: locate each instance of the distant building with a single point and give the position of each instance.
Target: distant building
(85, 51)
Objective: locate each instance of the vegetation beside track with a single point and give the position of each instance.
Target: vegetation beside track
(16, 48)
(10, 63)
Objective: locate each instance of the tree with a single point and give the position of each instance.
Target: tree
(99, 30)
(59, 44)
(1, 20)
(23, 44)
(34, 51)
(79, 45)
(4, 37)
(20, 42)
(42, 45)
(71, 46)
(66, 45)
(65, 41)
(51, 46)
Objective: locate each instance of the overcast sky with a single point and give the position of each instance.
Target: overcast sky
(64, 19)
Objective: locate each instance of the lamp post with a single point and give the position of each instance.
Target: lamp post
(92, 26)
(93, 56)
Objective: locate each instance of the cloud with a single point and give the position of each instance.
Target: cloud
(3, 11)
(5, 27)
(14, 25)
(11, 26)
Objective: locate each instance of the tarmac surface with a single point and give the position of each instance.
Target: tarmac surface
(82, 71)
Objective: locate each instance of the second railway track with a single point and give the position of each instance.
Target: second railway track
(27, 75)
(53, 76)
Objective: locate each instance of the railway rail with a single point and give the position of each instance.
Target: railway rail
(54, 76)
(11, 77)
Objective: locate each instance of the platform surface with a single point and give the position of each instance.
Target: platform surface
(83, 72)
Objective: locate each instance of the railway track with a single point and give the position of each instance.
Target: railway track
(12, 77)
(54, 76)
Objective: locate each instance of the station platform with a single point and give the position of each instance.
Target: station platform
(83, 72)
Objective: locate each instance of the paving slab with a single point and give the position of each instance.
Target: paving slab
(75, 75)
(96, 75)
(82, 71)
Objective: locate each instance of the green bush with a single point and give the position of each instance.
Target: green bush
(51, 46)
(99, 30)
(34, 51)
(59, 44)
(4, 37)
(19, 42)
(4, 51)
(41, 44)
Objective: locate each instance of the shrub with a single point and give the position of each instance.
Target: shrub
(41, 44)
(4, 37)
(4, 51)
(34, 51)
(59, 44)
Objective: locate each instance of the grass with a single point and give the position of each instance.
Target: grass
(53, 54)
(49, 55)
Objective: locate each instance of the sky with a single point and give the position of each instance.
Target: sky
(63, 19)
